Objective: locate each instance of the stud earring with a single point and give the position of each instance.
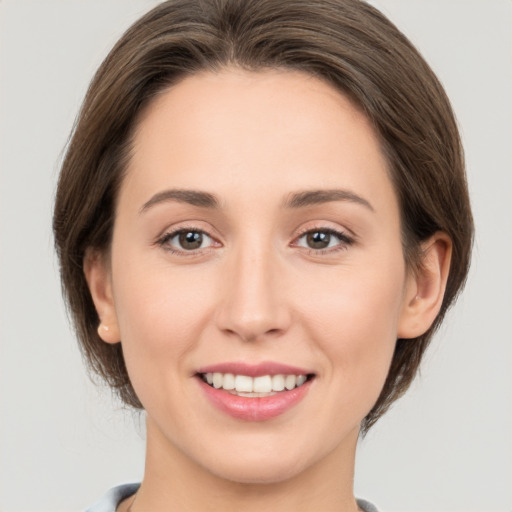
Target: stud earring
(103, 327)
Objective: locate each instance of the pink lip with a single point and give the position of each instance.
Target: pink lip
(254, 370)
(256, 408)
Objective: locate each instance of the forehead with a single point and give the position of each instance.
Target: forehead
(254, 133)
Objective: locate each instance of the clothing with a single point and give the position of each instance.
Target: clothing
(110, 501)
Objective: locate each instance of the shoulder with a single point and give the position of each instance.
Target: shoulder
(366, 506)
(111, 499)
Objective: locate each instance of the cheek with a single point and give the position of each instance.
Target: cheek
(161, 315)
(353, 315)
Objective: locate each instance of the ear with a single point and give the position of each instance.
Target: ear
(98, 277)
(425, 287)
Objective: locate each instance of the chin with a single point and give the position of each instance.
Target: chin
(258, 464)
(264, 472)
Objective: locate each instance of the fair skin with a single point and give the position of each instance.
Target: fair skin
(262, 270)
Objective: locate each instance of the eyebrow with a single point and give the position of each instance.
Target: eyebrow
(192, 197)
(295, 200)
(314, 197)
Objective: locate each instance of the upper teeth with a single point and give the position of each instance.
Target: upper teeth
(262, 384)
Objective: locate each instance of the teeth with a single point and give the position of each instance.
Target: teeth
(278, 382)
(218, 380)
(290, 381)
(229, 381)
(244, 385)
(262, 384)
(301, 379)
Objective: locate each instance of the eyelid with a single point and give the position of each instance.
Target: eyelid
(326, 226)
(345, 236)
(171, 232)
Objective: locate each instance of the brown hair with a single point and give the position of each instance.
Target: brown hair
(347, 43)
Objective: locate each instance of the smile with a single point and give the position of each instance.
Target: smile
(254, 392)
(253, 387)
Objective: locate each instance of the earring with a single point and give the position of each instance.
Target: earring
(103, 327)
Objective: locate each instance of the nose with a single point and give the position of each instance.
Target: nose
(253, 305)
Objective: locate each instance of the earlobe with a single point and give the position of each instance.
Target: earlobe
(97, 275)
(425, 287)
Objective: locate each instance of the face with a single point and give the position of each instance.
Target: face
(257, 247)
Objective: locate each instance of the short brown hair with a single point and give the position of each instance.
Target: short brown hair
(346, 43)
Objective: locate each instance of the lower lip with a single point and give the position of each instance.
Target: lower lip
(254, 408)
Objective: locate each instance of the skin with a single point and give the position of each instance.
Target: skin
(255, 290)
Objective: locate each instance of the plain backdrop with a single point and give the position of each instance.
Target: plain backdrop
(446, 446)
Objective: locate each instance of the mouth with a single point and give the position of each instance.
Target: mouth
(254, 387)
(254, 392)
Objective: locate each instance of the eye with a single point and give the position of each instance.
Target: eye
(187, 240)
(318, 239)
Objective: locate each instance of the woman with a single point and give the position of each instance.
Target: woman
(275, 222)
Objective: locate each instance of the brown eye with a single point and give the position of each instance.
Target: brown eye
(318, 239)
(190, 240)
(186, 240)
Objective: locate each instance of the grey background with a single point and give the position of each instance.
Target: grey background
(446, 446)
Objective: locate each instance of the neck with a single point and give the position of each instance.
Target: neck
(173, 481)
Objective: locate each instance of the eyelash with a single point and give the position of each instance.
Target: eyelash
(343, 239)
(167, 237)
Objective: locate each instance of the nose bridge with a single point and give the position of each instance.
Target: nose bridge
(253, 303)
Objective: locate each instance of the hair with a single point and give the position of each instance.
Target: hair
(346, 43)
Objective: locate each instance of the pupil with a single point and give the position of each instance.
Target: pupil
(190, 240)
(318, 240)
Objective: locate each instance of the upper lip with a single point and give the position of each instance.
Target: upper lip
(254, 370)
